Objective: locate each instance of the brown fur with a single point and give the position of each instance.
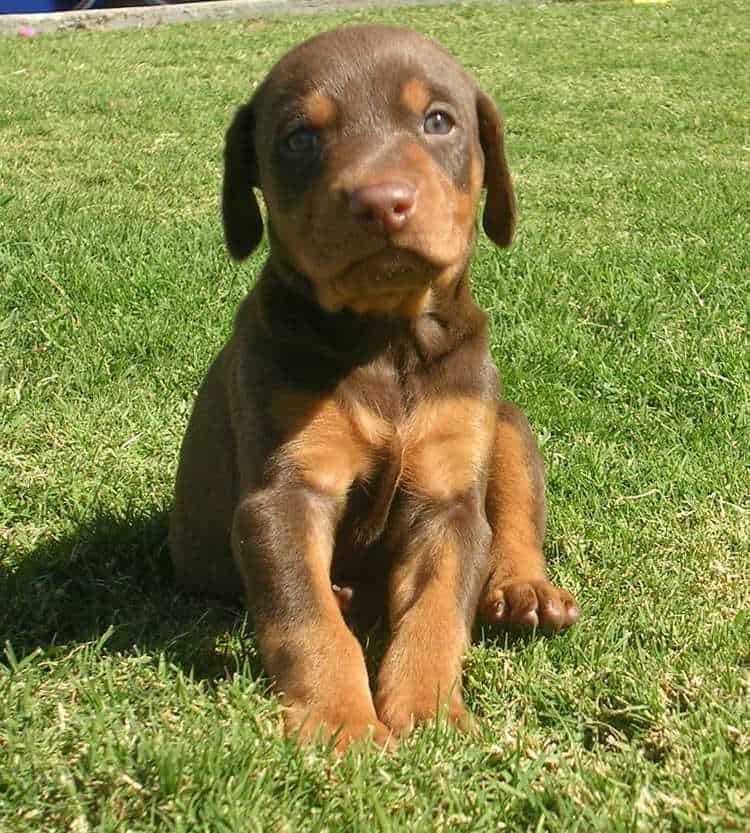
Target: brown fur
(347, 452)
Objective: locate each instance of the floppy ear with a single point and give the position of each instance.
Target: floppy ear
(243, 225)
(499, 221)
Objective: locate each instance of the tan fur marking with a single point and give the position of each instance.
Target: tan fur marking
(322, 442)
(372, 428)
(319, 669)
(510, 505)
(408, 303)
(320, 674)
(320, 110)
(422, 670)
(447, 443)
(466, 201)
(445, 230)
(464, 212)
(438, 607)
(416, 96)
(318, 555)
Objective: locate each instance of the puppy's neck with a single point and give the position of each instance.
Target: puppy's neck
(293, 317)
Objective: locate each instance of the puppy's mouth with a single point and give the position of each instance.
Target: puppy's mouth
(390, 269)
(390, 281)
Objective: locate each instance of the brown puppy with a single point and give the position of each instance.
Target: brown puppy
(350, 434)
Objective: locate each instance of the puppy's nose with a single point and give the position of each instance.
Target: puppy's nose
(385, 207)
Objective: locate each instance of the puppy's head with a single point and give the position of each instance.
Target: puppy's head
(371, 146)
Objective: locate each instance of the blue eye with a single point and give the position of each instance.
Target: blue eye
(301, 140)
(438, 123)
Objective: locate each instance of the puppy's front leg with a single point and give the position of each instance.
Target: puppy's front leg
(282, 539)
(518, 592)
(434, 588)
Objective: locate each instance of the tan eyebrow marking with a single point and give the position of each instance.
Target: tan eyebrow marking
(415, 95)
(319, 109)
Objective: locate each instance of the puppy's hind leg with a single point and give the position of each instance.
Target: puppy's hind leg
(200, 523)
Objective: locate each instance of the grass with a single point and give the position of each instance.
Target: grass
(620, 323)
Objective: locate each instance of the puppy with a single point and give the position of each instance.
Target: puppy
(348, 447)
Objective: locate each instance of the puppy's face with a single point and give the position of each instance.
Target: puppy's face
(371, 146)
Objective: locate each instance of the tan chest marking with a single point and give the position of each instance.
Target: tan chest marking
(447, 444)
(443, 446)
(332, 444)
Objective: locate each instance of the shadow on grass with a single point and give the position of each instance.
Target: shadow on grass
(115, 572)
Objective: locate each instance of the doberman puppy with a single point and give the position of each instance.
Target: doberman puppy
(348, 448)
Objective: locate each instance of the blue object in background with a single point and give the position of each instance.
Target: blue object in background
(30, 6)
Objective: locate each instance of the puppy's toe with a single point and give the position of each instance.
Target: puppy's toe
(355, 735)
(403, 711)
(529, 604)
(336, 727)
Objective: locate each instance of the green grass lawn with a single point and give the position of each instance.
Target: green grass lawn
(619, 321)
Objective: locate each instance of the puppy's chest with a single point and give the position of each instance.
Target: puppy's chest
(386, 436)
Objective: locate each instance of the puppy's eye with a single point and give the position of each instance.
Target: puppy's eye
(302, 140)
(438, 123)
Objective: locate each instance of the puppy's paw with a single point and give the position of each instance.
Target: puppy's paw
(401, 711)
(314, 725)
(528, 604)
